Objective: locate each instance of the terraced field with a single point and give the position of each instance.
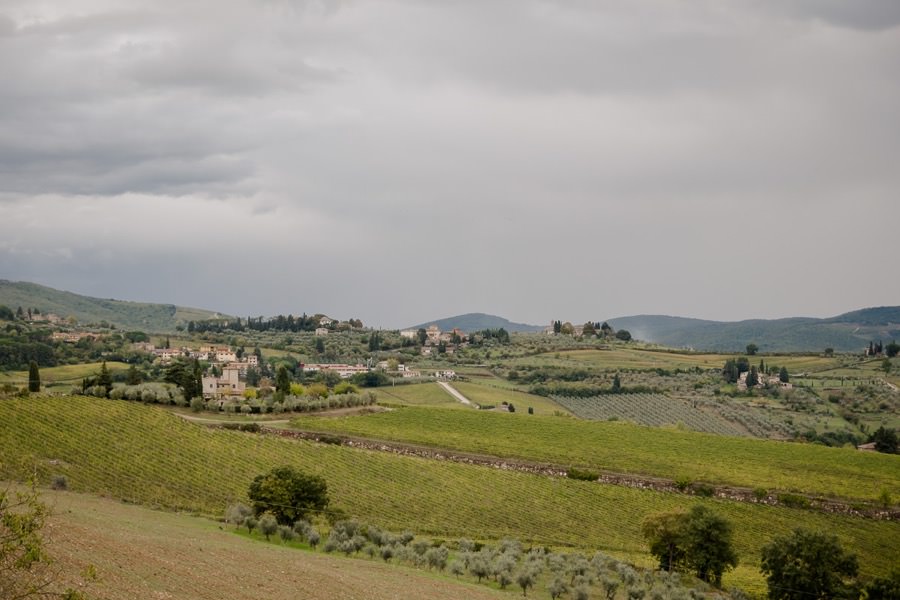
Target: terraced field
(627, 448)
(146, 455)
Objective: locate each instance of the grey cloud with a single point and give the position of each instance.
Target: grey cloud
(586, 159)
(873, 15)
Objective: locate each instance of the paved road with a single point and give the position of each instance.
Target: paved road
(453, 392)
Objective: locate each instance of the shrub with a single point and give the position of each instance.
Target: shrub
(793, 500)
(197, 404)
(682, 482)
(59, 482)
(582, 475)
(703, 489)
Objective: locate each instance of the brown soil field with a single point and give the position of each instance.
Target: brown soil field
(143, 554)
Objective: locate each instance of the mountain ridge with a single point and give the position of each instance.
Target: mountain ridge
(847, 332)
(478, 321)
(124, 314)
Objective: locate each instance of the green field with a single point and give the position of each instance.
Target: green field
(485, 394)
(418, 394)
(67, 375)
(147, 455)
(620, 357)
(627, 448)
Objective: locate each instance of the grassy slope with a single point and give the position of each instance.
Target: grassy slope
(418, 394)
(67, 375)
(140, 553)
(490, 395)
(147, 455)
(624, 447)
(125, 315)
(619, 357)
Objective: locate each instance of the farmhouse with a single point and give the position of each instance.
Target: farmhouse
(166, 355)
(321, 331)
(345, 371)
(71, 337)
(229, 384)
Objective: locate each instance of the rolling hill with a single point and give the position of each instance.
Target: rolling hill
(848, 332)
(156, 318)
(478, 321)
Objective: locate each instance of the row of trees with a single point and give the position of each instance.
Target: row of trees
(592, 329)
(276, 323)
(877, 349)
(799, 566)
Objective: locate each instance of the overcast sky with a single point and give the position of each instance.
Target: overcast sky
(400, 161)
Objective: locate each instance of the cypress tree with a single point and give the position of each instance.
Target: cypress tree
(34, 377)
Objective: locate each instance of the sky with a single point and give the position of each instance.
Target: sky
(401, 161)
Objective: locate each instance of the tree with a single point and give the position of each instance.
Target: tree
(752, 377)
(698, 540)
(664, 531)
(22, 516)
(588, 330)
(806, 565)
(34, 377)
(268, 526)
(624, 335)
(616, 384)
(885, 440)
(526, 578)
(709, 551)
(557, 326)
(422, 336)
(375, 342)
(187, 376)
(283, 381)
(104, 379)
(289, 494)
(884, 588)
(752, 349)
(237, 514)
(783, 375)
(133, 377)
(892, 349)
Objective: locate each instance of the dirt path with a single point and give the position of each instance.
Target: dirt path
(455, 393)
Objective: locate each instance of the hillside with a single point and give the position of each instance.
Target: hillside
(117, 448)
(141, 553)
(478, 321)
(848, 332)
(157, 318)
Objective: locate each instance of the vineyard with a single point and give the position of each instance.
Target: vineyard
(722, 417)
(146, 455)
(655, 410)
(624, 447)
